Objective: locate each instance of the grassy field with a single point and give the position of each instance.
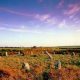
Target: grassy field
(40, 65)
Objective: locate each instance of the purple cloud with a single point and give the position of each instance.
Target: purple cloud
(60, 4)
(72, 9)
(42, 17)
(62, 24)
(39, 17)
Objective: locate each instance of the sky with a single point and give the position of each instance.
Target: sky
(39, 23)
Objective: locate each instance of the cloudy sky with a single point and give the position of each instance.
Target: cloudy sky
(39, 22)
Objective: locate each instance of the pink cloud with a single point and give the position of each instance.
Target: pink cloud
(51, 21)
(72, 9)
(46, 18)
(42, 17)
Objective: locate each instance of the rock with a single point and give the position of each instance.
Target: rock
(25, 66)
(6, 53)
(50, 56)
(58, 65)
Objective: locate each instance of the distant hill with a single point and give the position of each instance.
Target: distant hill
(68, 46)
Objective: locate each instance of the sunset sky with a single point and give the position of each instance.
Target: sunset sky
(39, 22)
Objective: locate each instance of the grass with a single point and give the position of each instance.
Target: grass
(13, 64)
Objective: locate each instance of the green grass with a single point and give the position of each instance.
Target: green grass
(15, 61)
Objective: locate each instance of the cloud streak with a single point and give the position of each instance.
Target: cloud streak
(15, 12)
(19, 30)
(72, 9)
(42, 17)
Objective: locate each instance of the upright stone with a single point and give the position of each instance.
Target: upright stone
(19, 53)
(58, 65)
(73, 53)
(6, 53)
(25, 66)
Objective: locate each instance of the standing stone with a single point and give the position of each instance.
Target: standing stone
(25, 66)
(50, 56)
(6, 53)
(19, 53)
(58, 65)
(73, 53)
